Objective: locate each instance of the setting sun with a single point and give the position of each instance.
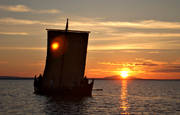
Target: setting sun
(124, 74)
(55, 46)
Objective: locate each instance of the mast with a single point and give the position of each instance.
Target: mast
(62, 64)
(66, 29)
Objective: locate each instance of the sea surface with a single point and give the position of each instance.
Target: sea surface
(131, 97)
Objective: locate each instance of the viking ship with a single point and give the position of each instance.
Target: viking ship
(65, 64)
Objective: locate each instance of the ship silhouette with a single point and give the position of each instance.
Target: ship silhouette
(65, 64)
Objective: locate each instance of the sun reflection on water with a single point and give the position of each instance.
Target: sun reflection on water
(123, 97)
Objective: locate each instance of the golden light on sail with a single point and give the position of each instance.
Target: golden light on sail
(55, 46)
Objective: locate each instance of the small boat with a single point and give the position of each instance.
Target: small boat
(65, 64)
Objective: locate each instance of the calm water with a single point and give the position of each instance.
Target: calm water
(118, 97)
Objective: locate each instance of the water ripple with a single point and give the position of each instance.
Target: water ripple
(136, 97)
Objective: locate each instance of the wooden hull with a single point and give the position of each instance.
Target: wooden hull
(81, 91)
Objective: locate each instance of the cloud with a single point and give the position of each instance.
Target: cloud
(140, 34)
(158, 66)
(169, 69)
(146, 64)
(51, 11)
(110, 63)
(37, 63)
(14, 33)
(14, 21)
(23, 8)
(16, 8)
(22, 48)
(18, 21)
(145, 24)
(176, 61)
(153, 52)
(3, 62)
(149, 61)
(138, 62)
(109, 37)
(106, 25)
(130, 64)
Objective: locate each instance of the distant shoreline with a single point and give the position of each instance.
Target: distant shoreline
(137, 79)
(15, 78)
(31, 78)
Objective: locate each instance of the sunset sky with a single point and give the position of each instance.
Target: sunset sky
(142, 36)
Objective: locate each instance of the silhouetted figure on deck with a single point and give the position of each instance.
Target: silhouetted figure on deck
(40, 81)
(35, 82)
(85, 80)
(40, 77)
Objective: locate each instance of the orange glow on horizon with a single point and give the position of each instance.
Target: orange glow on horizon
(55, 46)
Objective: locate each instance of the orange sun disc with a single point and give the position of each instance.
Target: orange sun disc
(55, 46)
(124, 74)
